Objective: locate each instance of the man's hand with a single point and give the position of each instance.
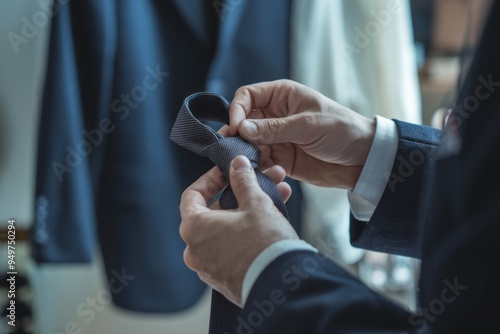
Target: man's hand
(222, 244)
(314, 138)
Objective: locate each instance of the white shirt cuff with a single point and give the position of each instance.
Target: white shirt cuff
(267, 256)
(371, 184)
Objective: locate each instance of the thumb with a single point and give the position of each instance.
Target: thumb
(244, 182)
(272, 130)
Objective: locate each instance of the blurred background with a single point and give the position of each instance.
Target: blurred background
(89, 91)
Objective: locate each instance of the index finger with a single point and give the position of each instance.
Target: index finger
(248, 98)
(198, 195)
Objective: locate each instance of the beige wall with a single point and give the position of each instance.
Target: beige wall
(454, 19)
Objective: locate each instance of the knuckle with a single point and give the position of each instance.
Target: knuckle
(262, 200)
(185, 232)
(185, 196)
(243, 90)
(274, 126)
(243, 180)
(237, 186)
(242, 96)
(310, 118)
(188, 259)
(188, 225)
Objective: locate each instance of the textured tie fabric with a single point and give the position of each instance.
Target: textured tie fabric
(192, 132)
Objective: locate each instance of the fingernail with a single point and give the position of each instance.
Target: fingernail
(250, 128)
(241, 163)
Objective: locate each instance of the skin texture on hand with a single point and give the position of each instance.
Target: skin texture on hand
(314, 138)
(221, 244)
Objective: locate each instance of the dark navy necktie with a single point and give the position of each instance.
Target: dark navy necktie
(191, 131)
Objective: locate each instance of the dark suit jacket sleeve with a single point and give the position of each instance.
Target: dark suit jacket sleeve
(302, 292)
(393, 227)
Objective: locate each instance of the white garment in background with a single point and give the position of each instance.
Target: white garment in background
(361, 54)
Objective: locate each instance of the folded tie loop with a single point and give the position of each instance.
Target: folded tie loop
(190, 129)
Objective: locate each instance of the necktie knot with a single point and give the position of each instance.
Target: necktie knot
(226, 149)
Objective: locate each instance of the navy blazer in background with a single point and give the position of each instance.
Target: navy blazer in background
(441, 204)
(117, 73)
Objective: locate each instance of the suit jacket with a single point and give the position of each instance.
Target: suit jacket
(440, 205)
(109, 179)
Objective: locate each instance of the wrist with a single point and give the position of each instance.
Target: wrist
(344, 177)
(267, 256)
(360, 136)
(367, 128)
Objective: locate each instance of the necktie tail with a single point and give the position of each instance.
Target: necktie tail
(190, 132)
